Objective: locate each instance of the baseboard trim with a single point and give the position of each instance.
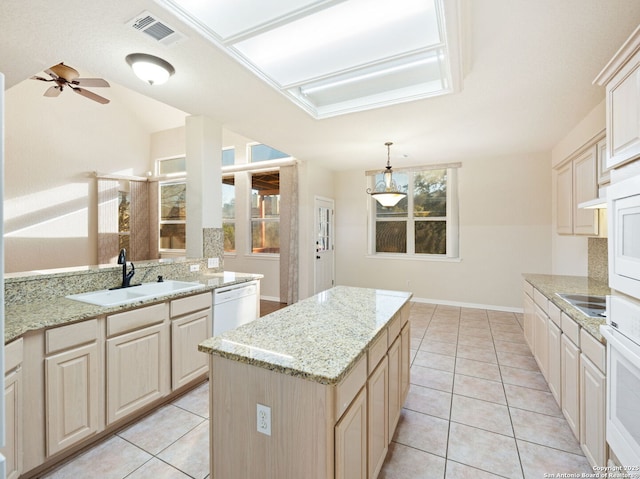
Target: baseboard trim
(462, 304)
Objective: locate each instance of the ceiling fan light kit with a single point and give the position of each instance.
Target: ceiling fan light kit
(65, 76)
(149, 68)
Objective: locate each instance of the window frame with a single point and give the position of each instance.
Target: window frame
(233, 221)
(250, 219)
(451, 218)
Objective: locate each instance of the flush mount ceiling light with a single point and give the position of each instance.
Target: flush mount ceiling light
(332, 57)
(153, 70)
(386, 191)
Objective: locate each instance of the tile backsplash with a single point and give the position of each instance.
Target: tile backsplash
(598, 264)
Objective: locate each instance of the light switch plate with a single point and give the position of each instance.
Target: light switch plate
(194, 267)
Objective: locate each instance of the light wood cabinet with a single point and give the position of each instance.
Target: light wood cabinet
(529, 318)
(190, 325)
(351, 440)
(540, 341)
(577, 182)
(592, 412)
(405, 363)
(13, 397)
(621, 76)
(395, 382)
(378, 413)
(604, 172)
(138, 361)
(570, 395)
(72, 377)
(554, 371)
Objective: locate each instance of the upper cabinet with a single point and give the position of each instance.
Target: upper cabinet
(621, 77)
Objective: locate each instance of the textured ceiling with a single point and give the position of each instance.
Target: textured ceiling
(528, 72)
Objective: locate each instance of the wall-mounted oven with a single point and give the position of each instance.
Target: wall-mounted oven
(622, 333)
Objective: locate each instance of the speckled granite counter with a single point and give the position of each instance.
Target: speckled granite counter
(40, 313)
(318, 338)
(549, 285)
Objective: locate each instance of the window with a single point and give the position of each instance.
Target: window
(228, 156)
(265, 212)
(261, 152)
(173, 215)
(124, 215)
(172, 166)
(425, 223)
(229, 213)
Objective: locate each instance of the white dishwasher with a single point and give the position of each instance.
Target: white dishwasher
(234, 306)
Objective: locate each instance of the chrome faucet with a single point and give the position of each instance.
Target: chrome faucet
(126, 277)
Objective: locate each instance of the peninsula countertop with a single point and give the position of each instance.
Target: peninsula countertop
(318, 338)
(50, 312)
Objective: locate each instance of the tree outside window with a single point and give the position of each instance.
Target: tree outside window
(229, 213)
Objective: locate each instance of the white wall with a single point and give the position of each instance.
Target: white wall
(570, 253)
(53, 146)
(505, 222)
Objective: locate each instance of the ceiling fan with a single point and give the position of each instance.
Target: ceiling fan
(64, 76)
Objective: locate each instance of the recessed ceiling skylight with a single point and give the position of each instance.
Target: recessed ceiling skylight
(335, 57)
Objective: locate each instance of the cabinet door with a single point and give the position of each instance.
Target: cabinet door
(570, 395)
(540, 341)
(13, 424)
(529, 314)
(604, 173)
(187, 363)
(405, 364)
(592, 412)
(72, 396)
(623, 113)
(351, 440)
(564, 200)
(378, 424)
(138, 370)
(554, 370)
(585, 188)
(395, 386)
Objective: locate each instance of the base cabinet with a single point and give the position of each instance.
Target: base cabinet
(529, 319)
(554, 371)
(570, 357)
(351, 440)
(592, 412)
(378, 412)
(540, 341)
(13, 397)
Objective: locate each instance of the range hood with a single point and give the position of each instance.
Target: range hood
(595, 204)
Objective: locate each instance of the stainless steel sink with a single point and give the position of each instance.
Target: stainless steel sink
(591, 305)
(115, 297)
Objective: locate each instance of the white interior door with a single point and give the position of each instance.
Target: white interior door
(324, 255)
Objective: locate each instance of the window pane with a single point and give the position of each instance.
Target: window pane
(265, 236)
(391, 236)
(123, 242)
(265, 152)
(430, 193)
(172, 236)
(173, 165)
(228, 156)
(172, 201)
(265, 195)
(401, 209)
(431, 237)
(124, 209)
(228, 198)
(229, 230)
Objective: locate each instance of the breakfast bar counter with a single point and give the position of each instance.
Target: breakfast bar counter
(313, 390)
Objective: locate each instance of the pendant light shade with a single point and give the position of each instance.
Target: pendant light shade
(153, 70)
(386, 191)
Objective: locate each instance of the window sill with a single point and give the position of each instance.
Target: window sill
(267, 256)
(415, 257)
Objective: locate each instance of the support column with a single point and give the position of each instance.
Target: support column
(204, 187)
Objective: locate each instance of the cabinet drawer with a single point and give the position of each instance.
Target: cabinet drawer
(13, 354)
(571, 329)
(555, 314)
(377, 350)
(394, 329)
(136, 319)
(541, 300)
(347, 389)
(594, 350)
(190, 304)
(58, 339)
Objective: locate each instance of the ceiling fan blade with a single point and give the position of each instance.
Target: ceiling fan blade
(53, 91)
(90, 82)
(90, 95)
(36, 77)
(49, 72)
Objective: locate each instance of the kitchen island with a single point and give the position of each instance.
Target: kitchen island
(314, 390)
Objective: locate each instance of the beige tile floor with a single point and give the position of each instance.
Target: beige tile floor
(478, 407)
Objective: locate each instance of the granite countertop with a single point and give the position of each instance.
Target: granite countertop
(549, 285)
(319, 338)
(41, 314)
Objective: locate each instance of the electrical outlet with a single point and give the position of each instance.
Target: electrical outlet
(194, 267)
(213, 262)
(263, 419)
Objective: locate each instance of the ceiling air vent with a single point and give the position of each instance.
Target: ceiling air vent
(148, 23)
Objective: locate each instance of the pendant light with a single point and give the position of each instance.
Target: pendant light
(386, 191)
